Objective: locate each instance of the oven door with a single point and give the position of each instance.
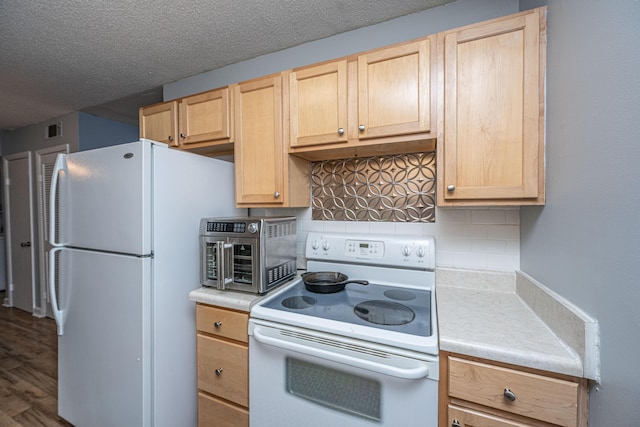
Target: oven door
(301, 377)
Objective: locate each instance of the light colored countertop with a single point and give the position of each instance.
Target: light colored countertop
(510, 318)
(499, 326)
(241, 301)
(505, 317)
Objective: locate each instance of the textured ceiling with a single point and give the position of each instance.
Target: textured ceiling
(110, 57)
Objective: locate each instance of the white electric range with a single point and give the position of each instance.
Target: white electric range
(363, 356)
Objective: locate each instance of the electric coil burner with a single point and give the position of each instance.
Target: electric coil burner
(364, 356)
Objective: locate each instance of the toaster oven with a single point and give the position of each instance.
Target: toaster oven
(247, 254)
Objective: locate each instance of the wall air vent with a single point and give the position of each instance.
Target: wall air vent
(53, 131)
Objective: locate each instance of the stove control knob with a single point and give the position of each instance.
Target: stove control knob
(421, 252)
(326, 246)
(252, 227)
(315, 245)
(406, 251)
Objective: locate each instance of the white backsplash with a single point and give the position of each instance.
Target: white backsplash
(467, 238)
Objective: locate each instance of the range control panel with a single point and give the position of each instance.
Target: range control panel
(381, 250)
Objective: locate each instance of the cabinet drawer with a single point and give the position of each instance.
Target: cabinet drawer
(543, 398)
(223, 369)
(215, 413)
(470, 418)
(223, 323)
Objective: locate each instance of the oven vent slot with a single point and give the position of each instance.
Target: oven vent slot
(337, 344)
(281, 229)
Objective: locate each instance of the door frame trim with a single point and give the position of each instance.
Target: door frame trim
(8, 301)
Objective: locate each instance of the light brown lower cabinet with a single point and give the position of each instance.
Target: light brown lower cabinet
(213, 412)
(223, 367)
(481, 393)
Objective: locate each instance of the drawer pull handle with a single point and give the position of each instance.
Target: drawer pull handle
(456, 423)
(217, 325)
(218, 372)
(509, 395)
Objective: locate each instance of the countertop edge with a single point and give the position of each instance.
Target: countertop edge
(559, 365)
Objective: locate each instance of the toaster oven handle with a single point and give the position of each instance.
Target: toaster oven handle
(225, 264)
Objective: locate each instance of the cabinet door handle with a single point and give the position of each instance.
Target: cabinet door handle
(509, 395)
(340, 131)
(217, 325)
(456, 423)
(218, 372)
(361, 128)
(451, 187)
(170, 138)
(25, 244)
(276, 194)
(182, 135)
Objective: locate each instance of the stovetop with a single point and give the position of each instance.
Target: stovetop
(396, 308)
(377, 306)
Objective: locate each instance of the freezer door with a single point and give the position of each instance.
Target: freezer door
(104, 198)
(104, 353)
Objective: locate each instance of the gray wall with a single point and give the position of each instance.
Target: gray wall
(31, 138)
(585, 243)
(97, 132)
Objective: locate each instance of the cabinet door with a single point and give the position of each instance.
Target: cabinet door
(205, 117)
(492, 111)
(159, 122)
(318, 104)
(394, 91)
(259, 145)
(462, 417)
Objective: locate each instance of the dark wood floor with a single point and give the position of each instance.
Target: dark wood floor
(28, 370)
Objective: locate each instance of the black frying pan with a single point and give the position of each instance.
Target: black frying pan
(327, 282)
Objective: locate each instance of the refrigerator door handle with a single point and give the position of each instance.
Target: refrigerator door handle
(60, 165)
(58, 313)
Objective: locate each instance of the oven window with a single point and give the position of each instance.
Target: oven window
(334, 389)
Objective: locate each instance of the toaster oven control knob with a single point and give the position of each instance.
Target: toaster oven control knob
(406, 251)
(252, 227)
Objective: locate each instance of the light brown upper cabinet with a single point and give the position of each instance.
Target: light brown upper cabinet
(491, 146)
(318, 105)
(159, 122)
(206, 119)
(394, 91)
(266, 176)
(379, 102)
(201, 123)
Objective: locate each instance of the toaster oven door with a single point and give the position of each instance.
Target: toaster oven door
(216, 260)
(230, 263)
(245, 265)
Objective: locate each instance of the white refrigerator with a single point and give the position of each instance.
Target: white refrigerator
(124, 229)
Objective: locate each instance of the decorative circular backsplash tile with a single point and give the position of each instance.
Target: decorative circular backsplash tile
(399, 188)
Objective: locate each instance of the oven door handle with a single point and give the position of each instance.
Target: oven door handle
(419, 370)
